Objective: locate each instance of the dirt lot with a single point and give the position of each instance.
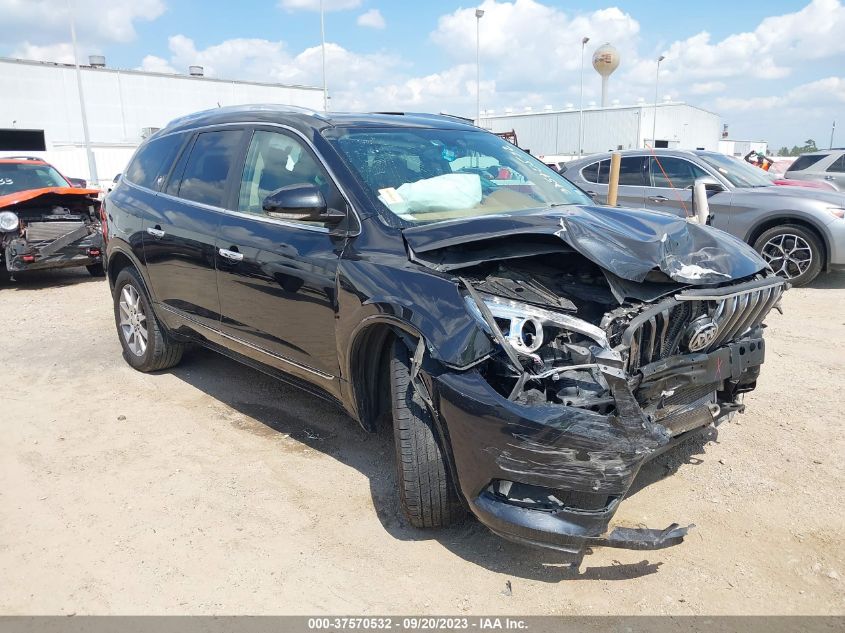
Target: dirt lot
(213, 489)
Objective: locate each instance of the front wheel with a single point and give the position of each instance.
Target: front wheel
(793, 252)
(146, 346)
(427, 493)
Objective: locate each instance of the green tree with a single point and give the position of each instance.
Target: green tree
(810, 146)
(783, 151)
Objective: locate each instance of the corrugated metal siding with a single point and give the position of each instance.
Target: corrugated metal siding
(606, 129)
(120, 103)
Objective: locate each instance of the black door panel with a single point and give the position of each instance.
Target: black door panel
(280, 296)
(179, 252)
(276, 278)
(179, 238)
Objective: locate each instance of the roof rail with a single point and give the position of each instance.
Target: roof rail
(23, 158)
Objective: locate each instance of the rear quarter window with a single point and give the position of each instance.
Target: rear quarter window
(152, 162)
(803, 162)
(209, 165)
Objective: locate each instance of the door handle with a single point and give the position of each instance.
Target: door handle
(156, 232)
(828, 177)
(234, 256)
(658, 198)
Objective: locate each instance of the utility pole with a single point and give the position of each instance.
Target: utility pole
(584, 41)
(323, 46)
(654, 119)
(479, 13)
(92, 163)
(832, 130)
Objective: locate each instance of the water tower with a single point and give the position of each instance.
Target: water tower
(605, 60)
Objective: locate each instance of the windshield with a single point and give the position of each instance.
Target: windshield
(16, 177)
(737, 172)
(425, 175)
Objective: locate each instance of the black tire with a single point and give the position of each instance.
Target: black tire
(427, 493)
(96, 270)
(789, 236)
(160, 351)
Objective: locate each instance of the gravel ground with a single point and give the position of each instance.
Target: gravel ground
(212, 489)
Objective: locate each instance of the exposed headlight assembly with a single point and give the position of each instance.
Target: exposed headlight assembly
(8, 221)
(526, 327)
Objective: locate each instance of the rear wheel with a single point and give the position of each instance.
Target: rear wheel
(146, 346)
(793, 252)
(426, 491)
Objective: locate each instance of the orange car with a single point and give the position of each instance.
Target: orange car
(46, 222)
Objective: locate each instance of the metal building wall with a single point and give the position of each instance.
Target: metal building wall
(556, 133)
(120, 103)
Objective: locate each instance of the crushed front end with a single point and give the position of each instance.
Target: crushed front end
(588, 384)
(51, 230)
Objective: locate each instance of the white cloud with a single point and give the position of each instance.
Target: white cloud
(707, 87)
(770, 51)
(314, 5)
(44, 22)
(446, 91)
(61, 53)
(527, 45)
(372, 19)
(351, 76)
(154, 64)
(829, 91)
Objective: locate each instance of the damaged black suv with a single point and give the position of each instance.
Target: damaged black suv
(533, 350)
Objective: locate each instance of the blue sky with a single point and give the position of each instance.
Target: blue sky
(773, 70)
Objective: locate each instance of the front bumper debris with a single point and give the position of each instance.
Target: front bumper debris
(81, 247)
(575, 464)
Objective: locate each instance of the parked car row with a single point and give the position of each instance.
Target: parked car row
(798, 231)
(530, 349)
(828, 166)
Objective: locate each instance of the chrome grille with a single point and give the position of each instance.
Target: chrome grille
(735, 312)
(659, 332)
(49, 231)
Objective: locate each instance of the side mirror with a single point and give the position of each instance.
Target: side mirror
(711, 185)
(78, 183)
(302, 202)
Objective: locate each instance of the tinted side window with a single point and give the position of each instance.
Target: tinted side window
(838, 164)
(590, 173)
(632, 170)
(670, 172)
(152, 162)
(803, 162)
(208, 167)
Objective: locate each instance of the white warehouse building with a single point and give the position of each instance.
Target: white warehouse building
(123, 107)
(555, 132)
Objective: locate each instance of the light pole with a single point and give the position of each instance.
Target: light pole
(654, 119)
(323, 46)
(479, 13)
(92, 162)
(581, 102)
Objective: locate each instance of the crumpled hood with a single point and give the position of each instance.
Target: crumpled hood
(12, 199)
(628, 243)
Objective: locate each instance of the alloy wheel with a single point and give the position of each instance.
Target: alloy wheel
(789, 255)
(133, 320)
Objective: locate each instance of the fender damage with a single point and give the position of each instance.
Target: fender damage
(614, 337)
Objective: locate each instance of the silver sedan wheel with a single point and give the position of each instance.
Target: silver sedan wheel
(789, 255)
(133, 321)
